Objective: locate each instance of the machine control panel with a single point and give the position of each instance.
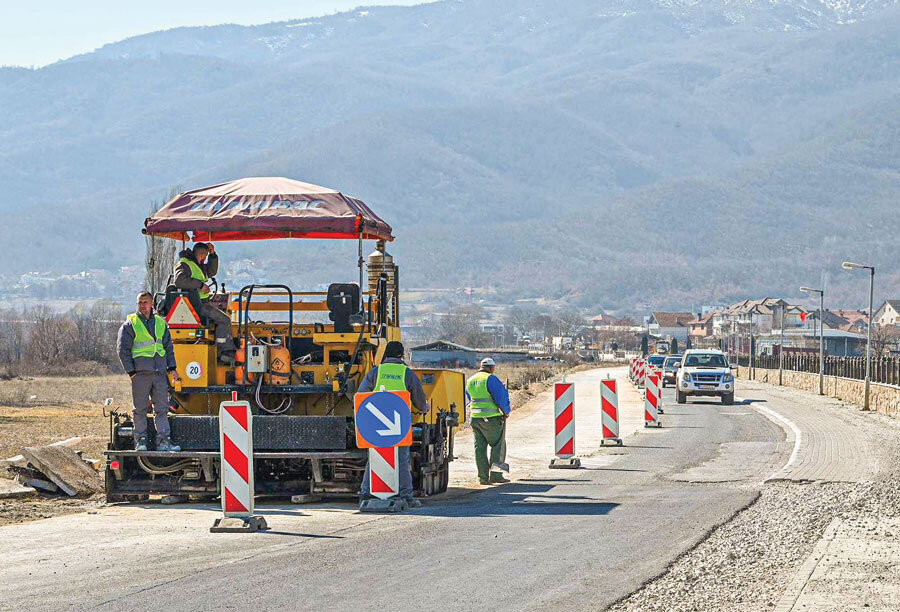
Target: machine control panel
(257, 359)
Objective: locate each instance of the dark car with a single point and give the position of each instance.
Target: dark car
(669, 370)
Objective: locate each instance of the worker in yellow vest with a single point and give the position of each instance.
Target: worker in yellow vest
(194, 268)
(394, 375)
(488, 409)
(146, 352)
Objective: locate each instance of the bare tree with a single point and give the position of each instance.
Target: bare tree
(884, 339)
(160, 255)
(462, 325)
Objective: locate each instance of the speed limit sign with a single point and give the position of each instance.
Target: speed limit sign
(194, 370)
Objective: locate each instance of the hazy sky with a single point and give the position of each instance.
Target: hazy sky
(39, 32)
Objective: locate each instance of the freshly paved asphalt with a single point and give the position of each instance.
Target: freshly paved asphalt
(574, 539)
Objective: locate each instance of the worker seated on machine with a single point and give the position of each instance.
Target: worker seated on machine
(193, 270)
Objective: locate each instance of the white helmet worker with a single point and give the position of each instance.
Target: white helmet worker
(487, 362)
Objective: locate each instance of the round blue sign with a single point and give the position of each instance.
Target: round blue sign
(383, 419)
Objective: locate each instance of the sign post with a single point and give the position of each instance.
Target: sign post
(383, 423)
(236, 470)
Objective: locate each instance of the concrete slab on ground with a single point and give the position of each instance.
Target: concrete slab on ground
(852, 568)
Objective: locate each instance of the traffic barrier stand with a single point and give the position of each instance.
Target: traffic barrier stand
(651, 401)
(642, 374)
(564, 419)
(659, 402)
(236, 470)
(383, 423)
(609, 411)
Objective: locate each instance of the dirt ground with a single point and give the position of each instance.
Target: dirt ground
(39, 411)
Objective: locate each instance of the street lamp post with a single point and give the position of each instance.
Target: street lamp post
(849, 265)
(821, 293)
(781, 347)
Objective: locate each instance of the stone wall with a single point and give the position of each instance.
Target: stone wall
(882, 398)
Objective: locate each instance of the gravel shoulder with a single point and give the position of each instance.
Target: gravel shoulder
(748, 563)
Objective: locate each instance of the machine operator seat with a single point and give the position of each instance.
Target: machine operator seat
(343, 303)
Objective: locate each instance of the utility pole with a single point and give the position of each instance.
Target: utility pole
(781, 347)
(849, 265)
(821, 322)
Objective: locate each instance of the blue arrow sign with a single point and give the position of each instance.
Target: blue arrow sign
(383, 419)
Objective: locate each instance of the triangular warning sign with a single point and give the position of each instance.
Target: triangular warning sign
(182, 314)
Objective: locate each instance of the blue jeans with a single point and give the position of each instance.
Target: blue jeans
(406, 483)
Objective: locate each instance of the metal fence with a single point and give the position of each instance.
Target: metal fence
(884, 369)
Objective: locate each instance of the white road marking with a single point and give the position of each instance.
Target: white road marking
(782, 421)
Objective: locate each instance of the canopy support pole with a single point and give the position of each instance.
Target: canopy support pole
(359, 262)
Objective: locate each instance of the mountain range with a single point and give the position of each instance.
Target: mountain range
(610, 153)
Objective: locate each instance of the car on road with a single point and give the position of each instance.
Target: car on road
(656, 361)
(704, 372)
(670, 372)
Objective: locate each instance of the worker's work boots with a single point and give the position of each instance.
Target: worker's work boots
(412, 502)
(165, 446)
(497, 478)
(140, 444)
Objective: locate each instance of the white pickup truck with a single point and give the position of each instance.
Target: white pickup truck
(704, 372)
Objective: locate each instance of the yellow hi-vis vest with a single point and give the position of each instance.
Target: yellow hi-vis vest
(196, 274)
(482, 404)
(391, 376)
(144, 344)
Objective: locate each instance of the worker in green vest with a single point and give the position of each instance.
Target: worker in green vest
(394, 375)
(194, 268)
(488, 402)
(146, 352)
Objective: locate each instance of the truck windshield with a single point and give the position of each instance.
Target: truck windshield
(706, 360)
(656, 360)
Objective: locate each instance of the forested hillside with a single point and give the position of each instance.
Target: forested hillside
(583, 149)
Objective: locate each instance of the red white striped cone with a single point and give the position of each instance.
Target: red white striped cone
(651, 401)
(384, 478)
(236, 455)
(564, 419)
(609, 410)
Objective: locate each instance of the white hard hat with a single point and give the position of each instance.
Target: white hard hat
(487, 361)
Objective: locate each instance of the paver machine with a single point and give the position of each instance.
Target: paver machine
(301, 357)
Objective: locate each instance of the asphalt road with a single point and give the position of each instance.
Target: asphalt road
(573, 539)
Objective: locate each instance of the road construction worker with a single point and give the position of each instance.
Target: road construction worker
(146, 352)
(488, 408)
(394, 375)
(194, 268)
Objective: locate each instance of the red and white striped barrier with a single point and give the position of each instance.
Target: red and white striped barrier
(564, 420)
(609, 410)
(384, 478)
(642, 373)
(632, 372)
(659, 398)
(236, 444)
(651, 400)
(236, 469)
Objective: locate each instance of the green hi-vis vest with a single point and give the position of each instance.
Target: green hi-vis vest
(196, 274)
(482, 404)
(391, 376)
(144, 344)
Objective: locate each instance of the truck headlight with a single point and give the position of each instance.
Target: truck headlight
(729, 378)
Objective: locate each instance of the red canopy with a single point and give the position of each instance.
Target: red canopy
(266, 207)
